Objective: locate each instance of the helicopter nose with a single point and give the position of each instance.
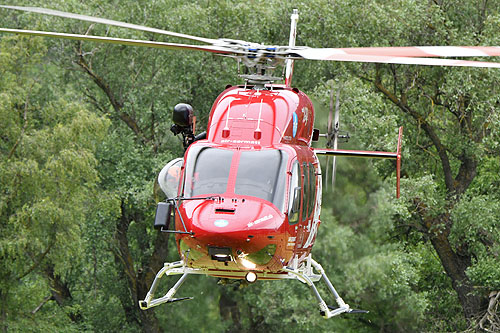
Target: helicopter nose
(237, 218)
(244, 231)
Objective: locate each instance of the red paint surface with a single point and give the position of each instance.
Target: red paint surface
(252, 223)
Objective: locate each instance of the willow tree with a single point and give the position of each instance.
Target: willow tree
(136, 89)
(48, 178)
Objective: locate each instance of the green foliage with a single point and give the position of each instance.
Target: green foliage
(482, 237)
(48, 173)
(85, 130)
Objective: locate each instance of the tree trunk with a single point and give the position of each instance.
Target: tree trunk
(455, 267)
(455, 264)
(3, 312)
(137, 288)
(138, 281)
(228, 309)
(60, 292)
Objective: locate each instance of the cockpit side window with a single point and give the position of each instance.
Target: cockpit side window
(306, 196)
(312, 189)
(169, 177)
(294, 195)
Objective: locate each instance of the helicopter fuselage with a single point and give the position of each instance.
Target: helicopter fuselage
(262, 181)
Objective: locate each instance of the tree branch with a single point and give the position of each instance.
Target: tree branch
(60, 292)
(441, 149)
(45, 300)
(25, 122)
(491, 315)
(123, 253)
(115, 103)
(39, 261)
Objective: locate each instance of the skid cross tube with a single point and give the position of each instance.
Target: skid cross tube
(304, 273)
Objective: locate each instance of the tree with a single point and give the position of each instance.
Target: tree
(430, 242)
(48, 173)
(451, 124)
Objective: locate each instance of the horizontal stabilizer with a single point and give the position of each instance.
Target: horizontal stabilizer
(370, 154)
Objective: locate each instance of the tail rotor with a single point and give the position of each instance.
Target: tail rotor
(333, 134)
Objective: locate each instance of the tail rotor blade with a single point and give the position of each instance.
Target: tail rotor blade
(327, 171)
(330, 121)
(336, 134)
(334, 171)
(329, 137)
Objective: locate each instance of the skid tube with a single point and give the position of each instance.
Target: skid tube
(305, 274)
(168, 269)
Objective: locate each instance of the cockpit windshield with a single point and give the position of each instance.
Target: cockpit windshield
(260, 174)
(207, 171)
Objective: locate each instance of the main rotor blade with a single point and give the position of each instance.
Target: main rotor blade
(109, 22)
(333, 55)
(423, 51)
(121, 41)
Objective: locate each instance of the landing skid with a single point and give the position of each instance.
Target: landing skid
(173, 268)
(305, 274)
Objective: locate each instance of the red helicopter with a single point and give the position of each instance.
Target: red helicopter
(246, 196)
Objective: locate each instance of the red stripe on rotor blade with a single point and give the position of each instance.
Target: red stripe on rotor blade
(333, 55)
(426, 51)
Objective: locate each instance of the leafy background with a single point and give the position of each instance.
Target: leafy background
(85, 130)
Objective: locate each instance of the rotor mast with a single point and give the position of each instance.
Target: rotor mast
(293, 35)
